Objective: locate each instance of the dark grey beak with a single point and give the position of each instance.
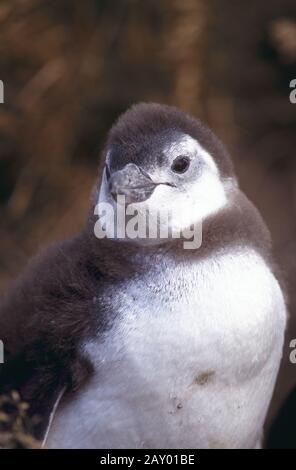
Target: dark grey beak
(132, 182)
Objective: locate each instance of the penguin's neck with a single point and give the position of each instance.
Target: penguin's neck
(231, 226)
(124, 260)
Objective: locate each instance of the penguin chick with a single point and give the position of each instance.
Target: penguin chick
(133, 343)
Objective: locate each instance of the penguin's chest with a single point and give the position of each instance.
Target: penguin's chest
(186, 350)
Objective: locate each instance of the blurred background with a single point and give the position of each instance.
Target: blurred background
(70, 67)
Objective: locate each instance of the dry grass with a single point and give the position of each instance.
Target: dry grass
(69, 68)
(16, 427)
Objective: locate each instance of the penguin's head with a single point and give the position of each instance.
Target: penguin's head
(159, 159)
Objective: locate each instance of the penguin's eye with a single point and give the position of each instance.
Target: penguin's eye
(180, 164)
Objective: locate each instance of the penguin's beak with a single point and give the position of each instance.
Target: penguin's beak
(132, 182)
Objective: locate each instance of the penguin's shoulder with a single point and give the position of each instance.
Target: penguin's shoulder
(44, 317)
(52, 290)
(238, 224)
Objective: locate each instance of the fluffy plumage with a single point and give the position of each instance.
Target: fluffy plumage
(80, 292)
